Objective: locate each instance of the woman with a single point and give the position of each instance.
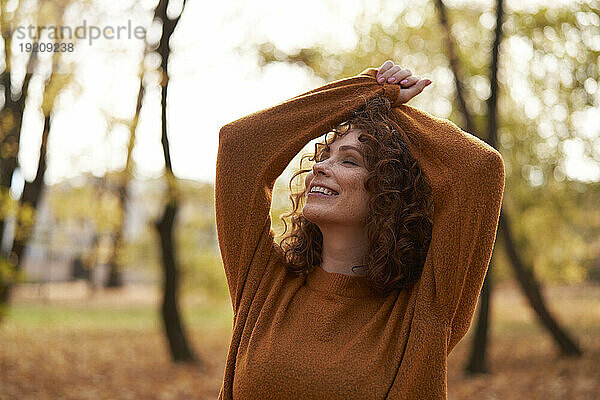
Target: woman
(379, 277)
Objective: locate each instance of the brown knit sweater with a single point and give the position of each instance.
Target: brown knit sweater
(327, 336)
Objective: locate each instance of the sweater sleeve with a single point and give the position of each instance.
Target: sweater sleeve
(253, 151)
(467, 179)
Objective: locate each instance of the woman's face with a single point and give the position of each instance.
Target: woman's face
(341, 169)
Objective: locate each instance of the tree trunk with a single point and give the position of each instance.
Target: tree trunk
(180, 351)
(32, 192)
(531, 289)
(455, 67)
(11, 118)
(115, 274)
(115, 278)
(477, 363)
(178, 344)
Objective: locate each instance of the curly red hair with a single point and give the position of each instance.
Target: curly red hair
(400, 209)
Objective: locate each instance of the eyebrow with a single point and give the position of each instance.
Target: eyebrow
(347, 147)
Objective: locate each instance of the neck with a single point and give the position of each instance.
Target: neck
(343, 248)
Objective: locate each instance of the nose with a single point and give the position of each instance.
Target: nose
(320, 168)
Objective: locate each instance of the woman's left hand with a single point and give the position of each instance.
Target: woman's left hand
(411, 85)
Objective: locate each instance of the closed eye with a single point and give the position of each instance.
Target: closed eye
(323, 158)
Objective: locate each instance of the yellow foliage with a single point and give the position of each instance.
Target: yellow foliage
(7, 122)
(8, 205)
(8, 274)
(573, 273)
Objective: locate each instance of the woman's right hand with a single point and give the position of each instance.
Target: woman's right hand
(393, 74)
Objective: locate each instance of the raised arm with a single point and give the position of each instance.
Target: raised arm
(254, 151)
(467, 179)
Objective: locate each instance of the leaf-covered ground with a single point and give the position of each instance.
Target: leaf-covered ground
(110, 346)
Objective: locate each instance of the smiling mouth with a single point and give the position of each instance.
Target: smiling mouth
(323, 190)
(319, 194)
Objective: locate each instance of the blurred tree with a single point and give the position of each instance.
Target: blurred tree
(32, 190)
(178, 343)
(13, 105)
(121, 183)
(25, 215)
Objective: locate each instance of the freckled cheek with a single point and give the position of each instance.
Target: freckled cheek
(357, 199)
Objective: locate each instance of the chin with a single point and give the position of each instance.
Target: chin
(318, 215)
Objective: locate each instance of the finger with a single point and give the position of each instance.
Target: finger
(384, 67)
(408, 82)
(400, 75)
(388, 74)
(415, 89)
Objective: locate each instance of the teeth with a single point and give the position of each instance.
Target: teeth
(323, 190)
